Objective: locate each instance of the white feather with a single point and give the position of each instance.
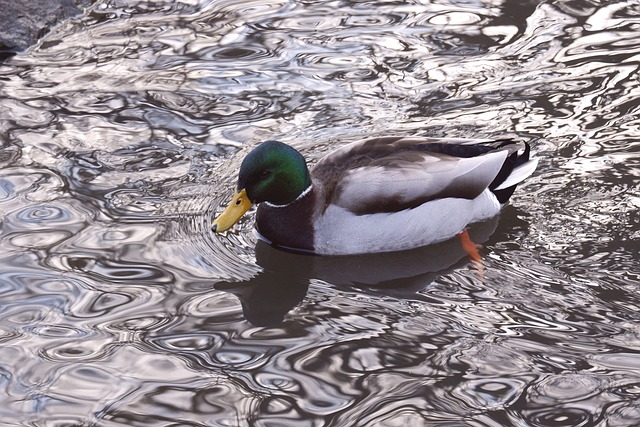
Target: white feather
(340, 232)
(519, 174)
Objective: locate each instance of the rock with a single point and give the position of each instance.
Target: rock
(23, 22)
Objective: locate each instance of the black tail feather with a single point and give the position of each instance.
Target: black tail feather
(513, 161)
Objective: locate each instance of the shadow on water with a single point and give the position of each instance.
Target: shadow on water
(284, 281)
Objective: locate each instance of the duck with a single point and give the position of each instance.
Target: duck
(382, 194)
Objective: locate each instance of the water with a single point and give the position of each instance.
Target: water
(121, 136)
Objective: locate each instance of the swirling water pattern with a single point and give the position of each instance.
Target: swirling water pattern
(121, 135)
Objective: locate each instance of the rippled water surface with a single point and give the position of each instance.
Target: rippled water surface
(121, 135)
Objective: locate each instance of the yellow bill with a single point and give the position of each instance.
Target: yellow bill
(238, 206)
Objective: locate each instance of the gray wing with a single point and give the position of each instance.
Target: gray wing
(393, 174)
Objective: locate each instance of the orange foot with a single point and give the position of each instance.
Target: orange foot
(472, 249)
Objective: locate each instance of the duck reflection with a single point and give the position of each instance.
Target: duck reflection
(284, 280)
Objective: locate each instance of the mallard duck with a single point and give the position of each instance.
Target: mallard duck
(378, 195)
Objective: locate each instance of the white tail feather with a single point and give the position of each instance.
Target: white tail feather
(519, 174)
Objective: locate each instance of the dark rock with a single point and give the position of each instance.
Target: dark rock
(23, 22)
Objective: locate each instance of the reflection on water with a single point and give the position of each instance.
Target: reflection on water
(284, 279)
(122, 132)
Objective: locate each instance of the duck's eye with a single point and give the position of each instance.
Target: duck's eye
(264, 174)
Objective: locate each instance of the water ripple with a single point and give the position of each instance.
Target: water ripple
(122, 135)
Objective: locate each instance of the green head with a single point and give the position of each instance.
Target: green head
(273, 172)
